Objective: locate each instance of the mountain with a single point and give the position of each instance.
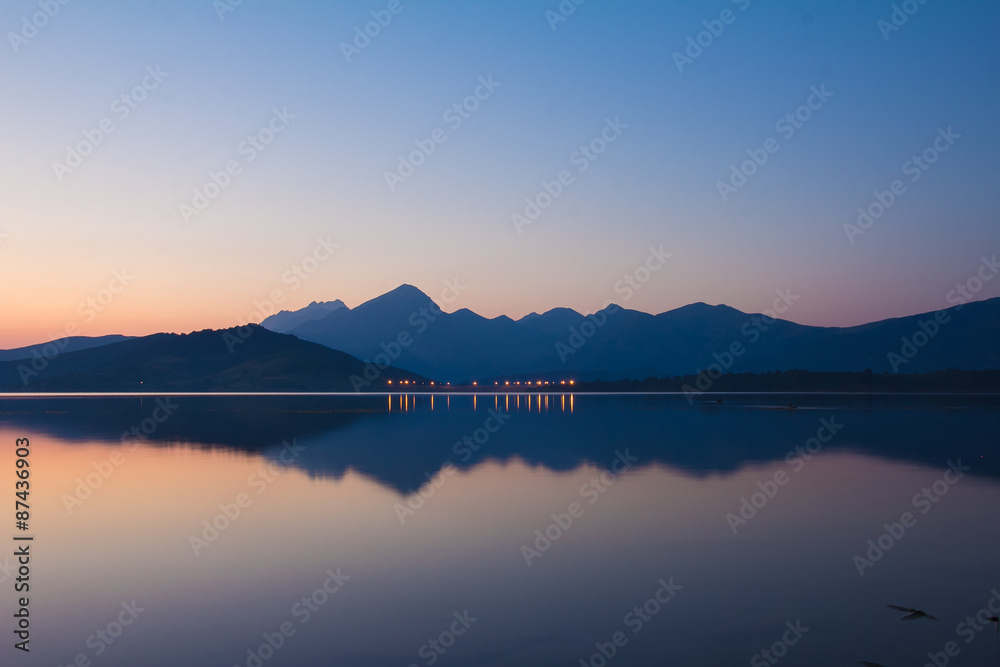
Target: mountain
(617, 343)
(286, 320)
(60, 346)
(240, 359)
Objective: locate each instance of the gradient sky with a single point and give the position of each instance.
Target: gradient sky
(323, 176)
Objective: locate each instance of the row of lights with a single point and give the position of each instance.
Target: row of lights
(414, 382)
(538, 382)
(507, 383)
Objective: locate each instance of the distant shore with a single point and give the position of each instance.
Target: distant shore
(693, 386)
(947, 381)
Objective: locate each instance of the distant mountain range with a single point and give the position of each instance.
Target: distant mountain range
(320, 347)
(617, 343)
(240, 359)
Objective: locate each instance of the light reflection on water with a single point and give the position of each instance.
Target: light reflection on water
(461, 544)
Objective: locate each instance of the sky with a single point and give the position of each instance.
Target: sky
(182, 165)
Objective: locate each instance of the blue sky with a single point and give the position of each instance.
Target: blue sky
(323, 176)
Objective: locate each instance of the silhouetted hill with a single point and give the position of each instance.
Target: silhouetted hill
(60, 345)
(248, 359)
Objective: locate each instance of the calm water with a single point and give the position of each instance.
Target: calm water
(421, 519)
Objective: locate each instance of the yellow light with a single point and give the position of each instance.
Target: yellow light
(507, 382)
(571, 381)
(563, 382)
(474, 384)
(390, 381)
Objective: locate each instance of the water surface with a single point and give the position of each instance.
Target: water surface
(427, 515)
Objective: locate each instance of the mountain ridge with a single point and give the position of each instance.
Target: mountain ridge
(616, 343)
(405, 328)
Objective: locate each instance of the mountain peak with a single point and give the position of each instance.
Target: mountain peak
(561, 312)
(406, 290)
(403, 298)
(701, 308)
(328, 305)
(286, 320)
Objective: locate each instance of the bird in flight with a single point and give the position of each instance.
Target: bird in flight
(911, 613)
(995, 619)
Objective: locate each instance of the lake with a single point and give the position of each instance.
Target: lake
(484, 530)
